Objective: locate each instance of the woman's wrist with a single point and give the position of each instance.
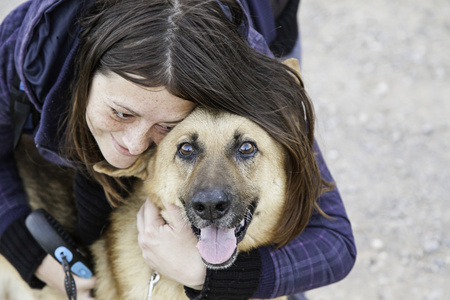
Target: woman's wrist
(51, 272)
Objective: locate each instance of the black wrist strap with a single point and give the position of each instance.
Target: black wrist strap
(55, 241)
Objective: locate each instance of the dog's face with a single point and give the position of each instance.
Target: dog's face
(226, 173)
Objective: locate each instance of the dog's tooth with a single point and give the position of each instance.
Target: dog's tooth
(241, 225)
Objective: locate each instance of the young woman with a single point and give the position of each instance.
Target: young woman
(115, 83)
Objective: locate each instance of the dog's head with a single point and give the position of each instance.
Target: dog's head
(226, 173)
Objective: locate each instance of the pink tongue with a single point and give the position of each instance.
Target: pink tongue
(216, 245)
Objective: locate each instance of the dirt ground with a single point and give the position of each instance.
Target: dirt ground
(379, 74)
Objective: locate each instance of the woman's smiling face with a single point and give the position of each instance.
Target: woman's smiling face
(125, 118)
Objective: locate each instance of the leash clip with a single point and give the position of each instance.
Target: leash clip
(69, 281)
(153, 280)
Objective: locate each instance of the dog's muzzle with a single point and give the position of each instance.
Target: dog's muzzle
(219, 224)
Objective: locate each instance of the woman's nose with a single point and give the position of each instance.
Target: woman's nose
(137, 140)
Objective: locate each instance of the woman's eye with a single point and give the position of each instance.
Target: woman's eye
(186, 149)
(166, 128)
(121, 114)
(247, 148)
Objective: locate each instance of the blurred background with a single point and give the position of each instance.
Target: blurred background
(379, 75)
(7, 5)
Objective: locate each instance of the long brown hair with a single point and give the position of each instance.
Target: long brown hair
(199, 53)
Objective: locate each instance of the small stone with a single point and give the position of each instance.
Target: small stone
(382, 88)
(377, 244)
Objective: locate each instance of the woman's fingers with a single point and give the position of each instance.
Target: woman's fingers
(170, 249)
(149, 216)
(177, 222)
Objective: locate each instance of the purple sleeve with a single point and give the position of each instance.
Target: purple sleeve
(322, 254)
(13, 203)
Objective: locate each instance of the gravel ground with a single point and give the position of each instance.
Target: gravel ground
(379, 74)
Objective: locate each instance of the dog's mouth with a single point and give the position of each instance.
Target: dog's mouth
(218, 246)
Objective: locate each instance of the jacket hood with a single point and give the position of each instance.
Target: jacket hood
(44, 54)
(46, 45)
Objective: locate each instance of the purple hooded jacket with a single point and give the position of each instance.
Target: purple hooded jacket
(38, 41)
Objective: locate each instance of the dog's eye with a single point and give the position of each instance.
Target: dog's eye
(186, 149)
(247, 148)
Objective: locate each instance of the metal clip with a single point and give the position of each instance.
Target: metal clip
(153, 280)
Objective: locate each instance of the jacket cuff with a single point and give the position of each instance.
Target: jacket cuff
(93, 208)
(234, 283)
(19, 247)
(266, 283)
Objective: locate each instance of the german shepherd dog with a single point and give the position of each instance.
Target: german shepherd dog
(224, 172)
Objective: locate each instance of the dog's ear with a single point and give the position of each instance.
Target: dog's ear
(293, 64)
(138, 169)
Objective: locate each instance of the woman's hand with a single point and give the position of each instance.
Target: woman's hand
(170, 249)
(51, 272)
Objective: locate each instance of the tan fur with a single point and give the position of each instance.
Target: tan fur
(120, 268)
(167, 180)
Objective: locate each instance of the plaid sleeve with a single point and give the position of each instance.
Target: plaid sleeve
(322, 254)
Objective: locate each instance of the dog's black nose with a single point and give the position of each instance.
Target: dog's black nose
(211, 204)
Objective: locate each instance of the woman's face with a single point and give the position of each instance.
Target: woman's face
(125, 118)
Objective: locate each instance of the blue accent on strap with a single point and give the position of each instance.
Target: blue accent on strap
(63, 251)
(81, 270)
